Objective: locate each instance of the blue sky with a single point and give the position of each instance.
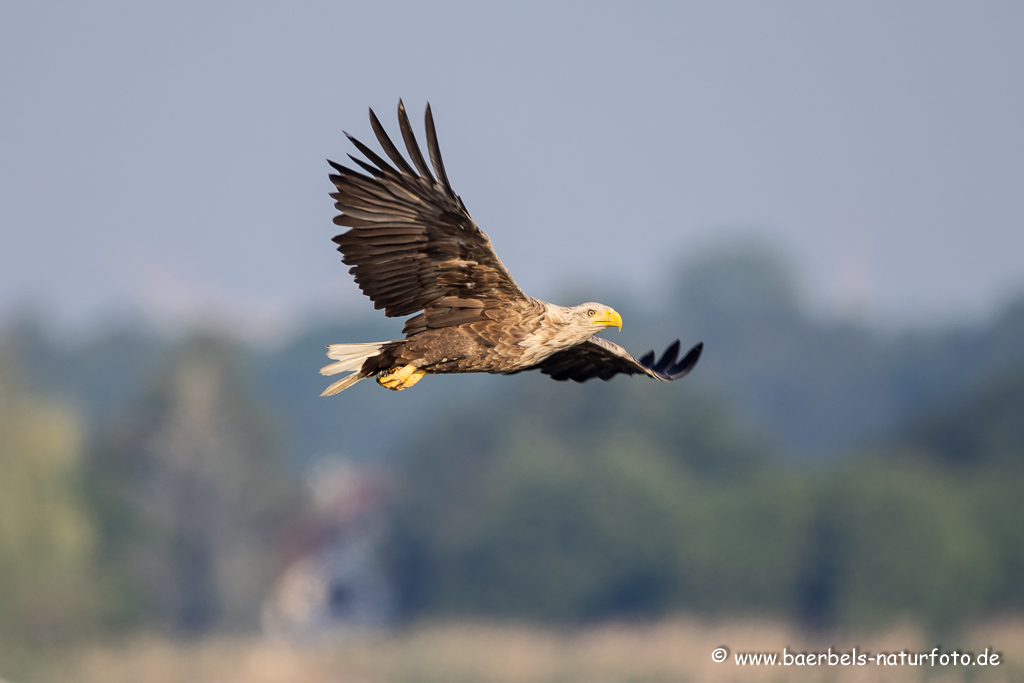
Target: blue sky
(170, 157)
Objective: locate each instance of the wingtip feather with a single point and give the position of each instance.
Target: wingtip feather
(410, 142)
(688, 362)
(435, 150)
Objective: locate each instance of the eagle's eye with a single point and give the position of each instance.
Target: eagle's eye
(591, 313)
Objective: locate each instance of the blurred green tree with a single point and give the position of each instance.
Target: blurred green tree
(896, 540)
(999, 500)
(984, 431)
(191, 495)
(48, 588)
(980, 441)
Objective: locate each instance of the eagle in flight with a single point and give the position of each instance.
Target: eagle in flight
(413, 248)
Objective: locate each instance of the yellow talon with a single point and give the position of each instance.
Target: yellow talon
(397, 379)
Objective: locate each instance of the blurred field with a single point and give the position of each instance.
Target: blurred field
(676, 650)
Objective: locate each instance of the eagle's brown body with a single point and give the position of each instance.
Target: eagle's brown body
(413, 248)
(508, 339)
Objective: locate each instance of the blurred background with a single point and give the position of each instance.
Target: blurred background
(829, 196)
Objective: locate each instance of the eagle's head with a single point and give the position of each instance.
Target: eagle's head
(595, 316)
(571, 325)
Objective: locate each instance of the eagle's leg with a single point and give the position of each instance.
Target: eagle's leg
(397, 379)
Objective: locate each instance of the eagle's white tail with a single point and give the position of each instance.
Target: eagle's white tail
(348, 357)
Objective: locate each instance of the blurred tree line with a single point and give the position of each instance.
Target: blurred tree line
(625, 500)
(809, 469)
(169, 517)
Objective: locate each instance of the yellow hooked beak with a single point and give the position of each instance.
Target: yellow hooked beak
(609, 319)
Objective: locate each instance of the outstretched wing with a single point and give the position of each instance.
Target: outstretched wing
(599, 357)
(412, 244)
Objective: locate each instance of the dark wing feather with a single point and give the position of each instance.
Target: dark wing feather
(389, 147)
(410, 142)
(412, 244)
(435, 150)
(601, 358)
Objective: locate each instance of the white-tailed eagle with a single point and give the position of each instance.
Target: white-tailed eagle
(413, 248)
